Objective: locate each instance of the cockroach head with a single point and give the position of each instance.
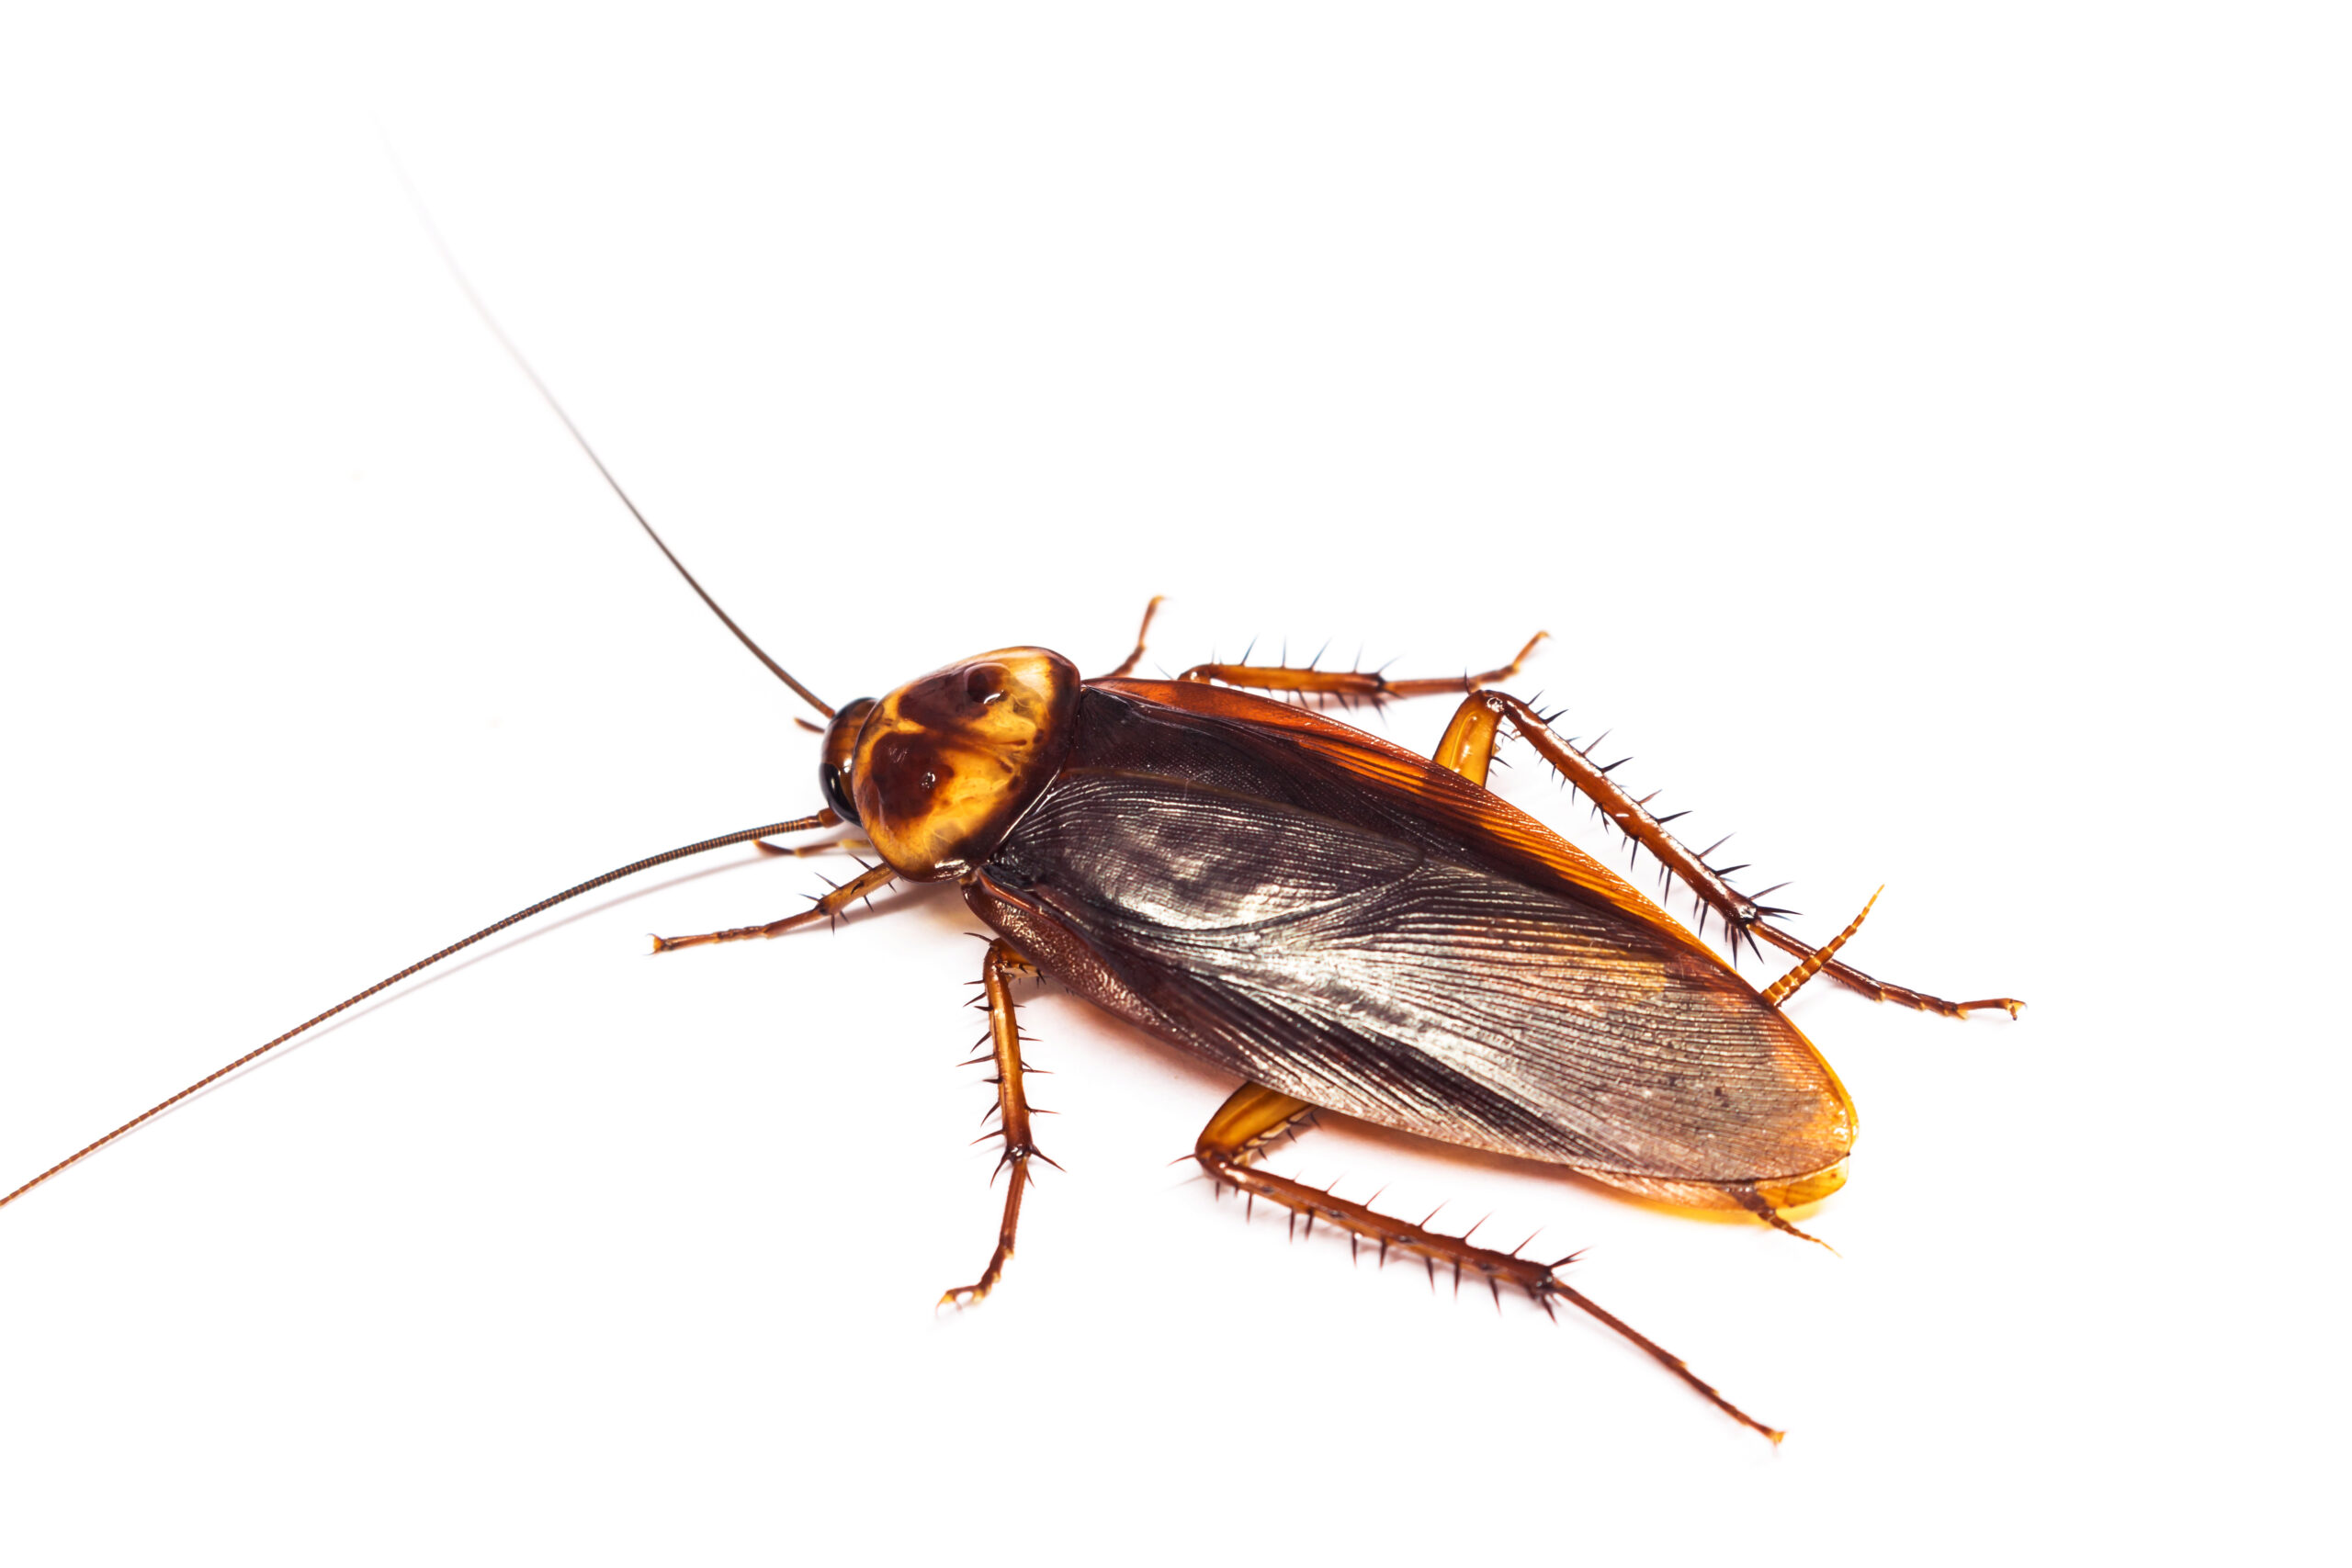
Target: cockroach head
(938, 771)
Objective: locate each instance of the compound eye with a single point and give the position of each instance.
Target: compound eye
(837, 793)
(833, 773)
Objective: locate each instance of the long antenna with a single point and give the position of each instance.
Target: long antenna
(450, 259)
(798, 824)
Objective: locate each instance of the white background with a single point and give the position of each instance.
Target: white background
(1924, 438)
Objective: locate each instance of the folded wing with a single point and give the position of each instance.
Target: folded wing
(1383, 980)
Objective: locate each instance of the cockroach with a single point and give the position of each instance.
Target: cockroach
(1342, 924)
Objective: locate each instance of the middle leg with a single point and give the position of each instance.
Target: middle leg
(1012, 1107)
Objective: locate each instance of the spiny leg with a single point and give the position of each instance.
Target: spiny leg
(1142, 632)
(1368, 685)
(1253, 1116)
(1471, 734)
(1013, 1108)
(873, 880)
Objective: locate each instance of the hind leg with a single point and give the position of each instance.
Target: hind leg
(1468, 746)
(1252, 1117)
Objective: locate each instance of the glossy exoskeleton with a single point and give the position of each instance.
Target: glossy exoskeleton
(1335, 921)
(1346, 927)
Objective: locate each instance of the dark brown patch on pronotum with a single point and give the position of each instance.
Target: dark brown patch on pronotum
(946, 766)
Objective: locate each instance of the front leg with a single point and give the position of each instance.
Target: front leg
(1012, 1106)
(826, 908)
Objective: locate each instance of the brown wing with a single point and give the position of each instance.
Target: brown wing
(1510, 837)
(1317, 946)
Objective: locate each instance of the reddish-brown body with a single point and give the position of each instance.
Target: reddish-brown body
(1340, 923)
(1779, 1123)
(1349, 927)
